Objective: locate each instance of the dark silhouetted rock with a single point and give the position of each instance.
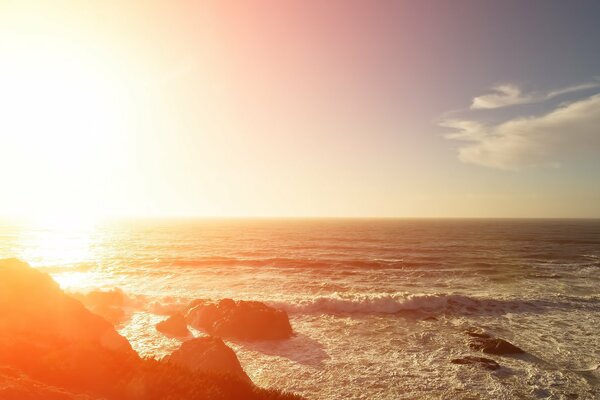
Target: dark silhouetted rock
(478, 361)
(430, 318)
(175, 325)
(494, 346)
(245, 320)
(207, 354)
(486, 343)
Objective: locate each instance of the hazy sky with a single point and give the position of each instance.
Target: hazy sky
(300, 108)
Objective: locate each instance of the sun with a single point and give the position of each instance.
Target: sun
(64, 118)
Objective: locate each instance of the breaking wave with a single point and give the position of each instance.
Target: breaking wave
(435, 303)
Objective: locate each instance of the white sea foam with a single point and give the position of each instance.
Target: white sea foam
(386, 303)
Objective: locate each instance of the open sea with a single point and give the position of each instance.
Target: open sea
(379, 307)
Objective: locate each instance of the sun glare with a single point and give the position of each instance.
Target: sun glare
(63, 116)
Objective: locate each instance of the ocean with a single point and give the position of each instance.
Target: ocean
(379, 307)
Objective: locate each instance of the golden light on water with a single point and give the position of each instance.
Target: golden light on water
(67, 248)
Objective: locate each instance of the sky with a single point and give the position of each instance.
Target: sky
(342, 108)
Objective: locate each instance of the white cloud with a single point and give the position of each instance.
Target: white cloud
(509, 95)
(544, 140)
(503, 96)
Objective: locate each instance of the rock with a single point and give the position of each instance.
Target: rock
(52, 337)
(486, 363)
(207, 354)
(52, 347)
(108, 304)
(32, 303)
(175, 325)
(494, 346)
(430, 318)
(486, 343)
(245, 320)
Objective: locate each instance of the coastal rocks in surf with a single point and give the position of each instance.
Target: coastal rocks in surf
(46, 333)
(207, 354)
(52, 347)
(244, 320)
(481, 341)
(175, 325)
(483, 362)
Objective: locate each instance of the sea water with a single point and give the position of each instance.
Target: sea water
(378, 307)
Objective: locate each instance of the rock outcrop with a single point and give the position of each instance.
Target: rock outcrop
(53, 337)
(244, 320)
(175, 325)
(207, 354)
(485, 343)
(52, 347)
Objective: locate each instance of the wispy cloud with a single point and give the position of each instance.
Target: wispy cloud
(509, 94)
(534, 141)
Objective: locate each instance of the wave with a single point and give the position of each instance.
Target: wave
(434, 303)
(380, 304)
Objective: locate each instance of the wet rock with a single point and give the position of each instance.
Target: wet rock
(245, 320)
(486, 363)
(207, 354)
(175, 325)
(494, 346)
(486, 343)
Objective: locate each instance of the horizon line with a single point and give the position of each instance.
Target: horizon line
(293, 217)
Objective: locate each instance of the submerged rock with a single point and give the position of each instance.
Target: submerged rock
(207, 354)
(486, 363)
(175, 325)
(245, 320)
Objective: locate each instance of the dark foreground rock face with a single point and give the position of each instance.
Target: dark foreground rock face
(175, 325)
(52, 347)
(245, 320)
(207, 354)
(486, 363)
